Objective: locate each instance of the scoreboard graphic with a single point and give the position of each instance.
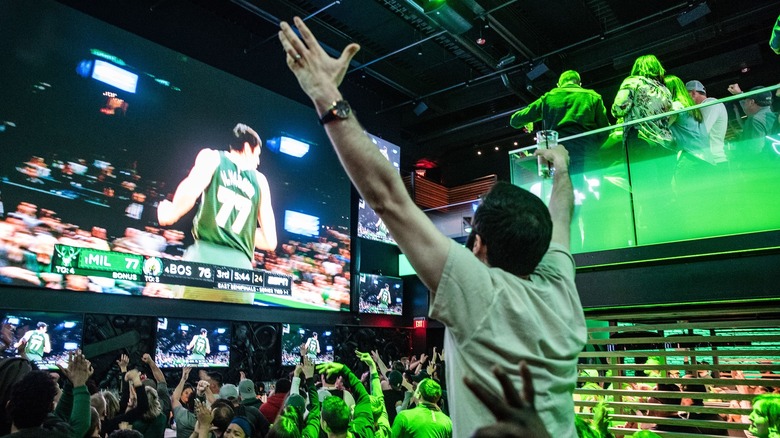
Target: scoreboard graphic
(69, 260)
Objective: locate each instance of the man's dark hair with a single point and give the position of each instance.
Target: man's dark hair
(203, 331)
(217, 377)
(125, 433)
(11, 371)
(223, 414)
(336, 413)
(283, 386)
(244, 134)
(31, 399)
(42, 325)
(330, 379)
(516, 227)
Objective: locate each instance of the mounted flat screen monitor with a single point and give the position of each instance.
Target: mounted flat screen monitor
(314, 341)
(124, 171)
(193, 343)
(43, 337)
(370, 226)
(381, 294)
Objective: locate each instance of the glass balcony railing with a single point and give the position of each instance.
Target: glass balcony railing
(631, 192)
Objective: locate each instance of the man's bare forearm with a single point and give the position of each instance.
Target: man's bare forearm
(562, 198)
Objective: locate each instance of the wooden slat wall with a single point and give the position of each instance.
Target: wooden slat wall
(428, 194)
(471, 191)
(733, 352)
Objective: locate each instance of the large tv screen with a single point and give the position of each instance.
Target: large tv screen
(315, 341)
(193, 343)
(43, 337)
(370, 226)
(125, 170)
(381, 294)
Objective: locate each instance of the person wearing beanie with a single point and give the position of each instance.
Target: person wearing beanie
(232, 394)
(240, 427)
(270, 409)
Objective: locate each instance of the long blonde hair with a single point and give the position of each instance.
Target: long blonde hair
(154, 404)
(680, 94)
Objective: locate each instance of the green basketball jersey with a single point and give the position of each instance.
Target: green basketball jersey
(200, 346)
(384, 297)
(36, 344)
(229, 207)
(312, 346)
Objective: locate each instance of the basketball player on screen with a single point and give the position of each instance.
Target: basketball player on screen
(235, 215)
(36, 343)
(312, 347)
(384, 297)
(199, 346)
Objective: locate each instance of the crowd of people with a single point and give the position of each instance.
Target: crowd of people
(508, 301)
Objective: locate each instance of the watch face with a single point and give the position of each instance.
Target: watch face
(341, 109)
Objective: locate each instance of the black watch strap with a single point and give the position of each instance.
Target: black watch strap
(340, 110)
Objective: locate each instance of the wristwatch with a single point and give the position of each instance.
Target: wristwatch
(340, 110)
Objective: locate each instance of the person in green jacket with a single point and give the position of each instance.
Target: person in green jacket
(334, 419)
(74, 405)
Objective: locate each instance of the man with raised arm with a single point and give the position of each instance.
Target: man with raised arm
(509, 297)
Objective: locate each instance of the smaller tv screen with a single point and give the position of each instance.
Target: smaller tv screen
(370, 225)
(44, 338)
(315, 341)
(381, 294)
(192, 342)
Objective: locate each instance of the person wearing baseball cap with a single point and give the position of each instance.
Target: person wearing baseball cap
(716, 119)
(760, 122)
(228, 392)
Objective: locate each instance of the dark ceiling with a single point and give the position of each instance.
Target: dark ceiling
(443, 89)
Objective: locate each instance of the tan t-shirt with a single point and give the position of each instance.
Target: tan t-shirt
(496, 318)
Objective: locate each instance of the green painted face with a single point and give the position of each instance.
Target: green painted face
(759, 424)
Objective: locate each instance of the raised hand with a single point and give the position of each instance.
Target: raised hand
(185, 373)
(203, 414)
(330, 368)
(307, 368)
(514, 412)
(557, 155)
(366, 359)
(202, 387)
(79, 369)
(123, 361)
(406, 384)
(317, 72)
